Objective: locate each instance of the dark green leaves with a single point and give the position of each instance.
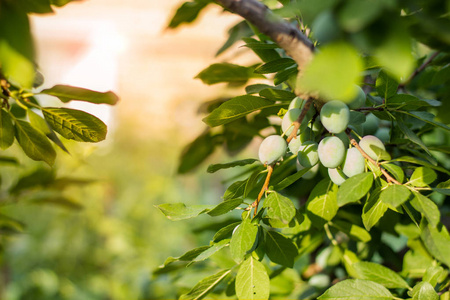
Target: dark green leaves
(226, 72)
(357, 289)
(386, 86)
(68, 93)
(216, 167)
(75, 124)
(196, 152)
(354, 188)
(280, 249)
(6, 130)
(275, 66)
(236, 108)
(252, 280)
(34, 143)
(179, 211)
(187, 12)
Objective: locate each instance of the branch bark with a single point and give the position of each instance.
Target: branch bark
(288, 37)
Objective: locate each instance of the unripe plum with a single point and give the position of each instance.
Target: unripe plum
(331, 152)
(373, 147)
(384, 134)
(295, 103)
(306, 135)
(337, 176)
(311, 173)
(359, 100)
(272, 149)
(371, 125)
(344, 138)
(307, 155)
(335, 116)
(290, 117)
(354, 163)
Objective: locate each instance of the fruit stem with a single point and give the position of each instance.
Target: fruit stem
(299, 120)
(264, 188)
(375, 163)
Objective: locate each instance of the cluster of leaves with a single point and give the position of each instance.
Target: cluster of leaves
(375, 236)
(33, 126)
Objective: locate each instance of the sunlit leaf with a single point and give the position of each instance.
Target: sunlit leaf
(357, 289)
(379, 274)
(6, 130)
(205, 286)
(252, 281)
(179, 211)
(68, 93)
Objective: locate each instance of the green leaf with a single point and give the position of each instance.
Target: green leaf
(357, 289)
(386, 86)
(187, 13)
(235, 34)
(34, 143)
(396, 171)
(357, 118)
(437, 241)
(179, 211)
(6, 130)
(16, 45)
(38, 122)
(225, 232)
(322, 203)
(411, 135)
(67, 93)
(409, 102)
(58, 200)
(422, 177)
(36, 6)
(354, 15)
(275, 66)
(417, 161)
(280, 208)
(379, 274)
(226, 72)
(443, 188)
(395, 195)
(276, 94)
(225, 207)
(196, 152)
(235, 190)
(204, 286)
(236, 108)
(290, 179)
(252, 280)
(188, 256)
(373, 209)
(435, 275)
(427, 207)
(352, 230)
(238, 163)
(354, 188)
(424, 291)
(75, 124)
(211, 250)
(243, 239)
(280, 249)
(343, 66)
(425, 117)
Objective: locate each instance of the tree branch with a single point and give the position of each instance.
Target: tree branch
(263, 190)
(419, 69)
(288, 37)
(299, 120)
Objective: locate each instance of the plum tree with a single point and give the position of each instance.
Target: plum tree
(374, 147)
(337, 176)
(354, 163)
(272, 149)
(335, 116)
(331, 152)
(307, 155)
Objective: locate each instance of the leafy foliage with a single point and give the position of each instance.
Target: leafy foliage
(351, 232)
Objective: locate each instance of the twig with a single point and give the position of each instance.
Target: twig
(299, 120)
(370, 108)
(264, 188)
(419, 69)
(366, 156)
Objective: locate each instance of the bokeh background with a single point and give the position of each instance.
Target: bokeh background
(109, 248)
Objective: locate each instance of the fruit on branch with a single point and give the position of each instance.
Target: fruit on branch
(344, 138)
(296, 103)
(354, 163)
(305, 135)
(311, 172)
(374, 147)
(335, 116)
(289, 118)
(371, 125)
(384, 134)
(359, 100)
(307, 155)
(272, 149)
(337, 176)
(331, 152)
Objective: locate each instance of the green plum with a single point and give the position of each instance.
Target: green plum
(307, 155)
(335, 116)
(331, 152)
(272, 149)
(359, 100)
(374, 147)
(337, 176)
(371, 125)
(311, 172)
(354, 163)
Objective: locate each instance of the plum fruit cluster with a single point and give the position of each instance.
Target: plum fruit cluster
(332, 150)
